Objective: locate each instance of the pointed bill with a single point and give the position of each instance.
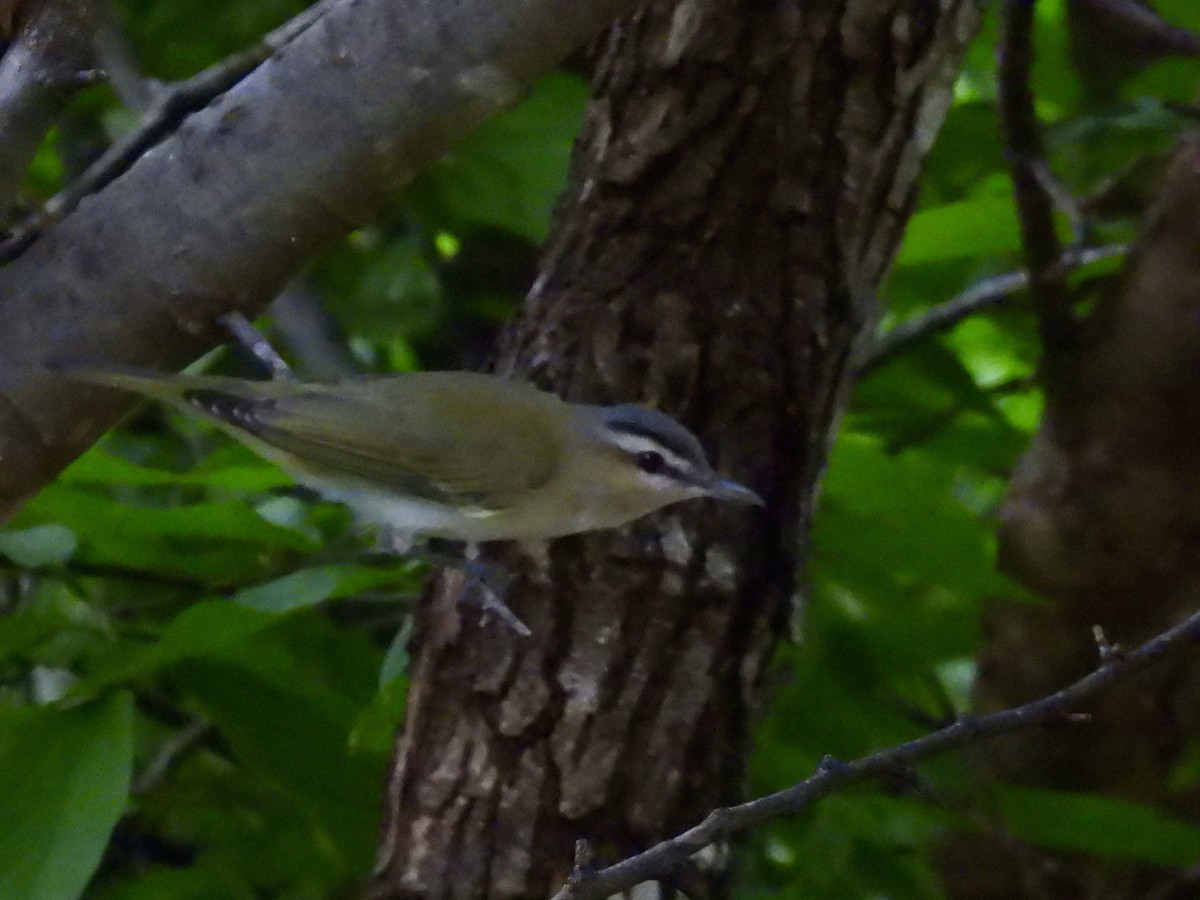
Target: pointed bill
(724, 489)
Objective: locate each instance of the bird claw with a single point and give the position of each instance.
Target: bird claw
(484, 583)
(479, 591)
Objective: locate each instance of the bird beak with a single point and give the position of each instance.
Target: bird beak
(724, 489)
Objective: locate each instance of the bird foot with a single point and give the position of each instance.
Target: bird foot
(485, 584)
(484, 588)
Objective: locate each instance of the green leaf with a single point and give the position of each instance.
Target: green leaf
(927, 392)
(286, 699)
(41, 545)
(98, 466)
(307, 587)
(866, 539)
(196, 522)
(206, 629)
(299, 743)
(984, 226)
(50, 626)
(1105, 826)
(395, 661)
(64, 777)
(216, 542)
(510, 172)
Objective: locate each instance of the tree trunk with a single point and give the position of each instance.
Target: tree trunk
(742, 181)
(1104, 518)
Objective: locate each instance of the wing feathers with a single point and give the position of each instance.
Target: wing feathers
(446, 449)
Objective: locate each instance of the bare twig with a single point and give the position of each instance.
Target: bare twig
(983, 295)
(254, 342)
(170, 106)
(832, 775)
(173, 749)
(1035, 205)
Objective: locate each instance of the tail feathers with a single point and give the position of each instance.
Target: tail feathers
(231, 401)
(146, 382)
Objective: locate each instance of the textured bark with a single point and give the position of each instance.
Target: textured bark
(225, 209)
(1103, 516)
(741, 184)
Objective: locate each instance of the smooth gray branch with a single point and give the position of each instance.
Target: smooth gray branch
(168, 106)
(222, 211)
(1060, 707)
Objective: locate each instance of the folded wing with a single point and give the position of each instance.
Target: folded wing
(451, 448)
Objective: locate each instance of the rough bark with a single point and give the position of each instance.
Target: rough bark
(222, 212)
(1103, 517)
(741, 184)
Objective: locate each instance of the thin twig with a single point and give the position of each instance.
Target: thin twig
(254, 342)
(169, 108)
(1035, 205)
(173, 749)
(832, 775)
(983, 295)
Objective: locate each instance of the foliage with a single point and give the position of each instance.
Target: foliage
(200, 672)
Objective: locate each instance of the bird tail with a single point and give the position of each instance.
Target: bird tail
(147, 382)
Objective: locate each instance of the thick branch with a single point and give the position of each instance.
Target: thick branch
(220, 214)
(166, 109)
(832, 776)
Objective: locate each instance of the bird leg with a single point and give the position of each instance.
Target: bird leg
(486, 585)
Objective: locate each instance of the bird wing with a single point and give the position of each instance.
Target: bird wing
(445, 448)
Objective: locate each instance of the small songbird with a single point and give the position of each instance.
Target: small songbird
(456, 455)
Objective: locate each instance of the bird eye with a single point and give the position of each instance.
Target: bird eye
(650, 461)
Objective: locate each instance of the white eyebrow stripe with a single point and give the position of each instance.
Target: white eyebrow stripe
(633, 444)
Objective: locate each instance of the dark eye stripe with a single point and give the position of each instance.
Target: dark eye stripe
(683, 476)
(679, 448)
(671, 472)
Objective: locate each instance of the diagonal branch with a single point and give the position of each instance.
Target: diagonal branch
(218, 215)
(832, 776)
(168, 107)
(983, 295)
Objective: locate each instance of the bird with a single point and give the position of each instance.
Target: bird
(463, 456)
